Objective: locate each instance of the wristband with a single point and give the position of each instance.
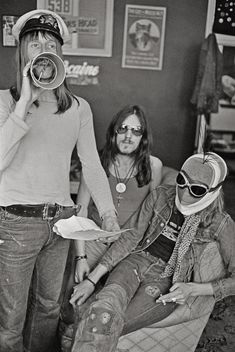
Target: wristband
(88, 279)
(79, 257)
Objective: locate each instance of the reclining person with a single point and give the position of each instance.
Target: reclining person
(151, 267)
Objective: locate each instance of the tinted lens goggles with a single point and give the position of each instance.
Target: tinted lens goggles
(195, 189)
(136, 131)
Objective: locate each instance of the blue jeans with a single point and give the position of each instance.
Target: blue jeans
(94, 251)
(32, 262)
(126, 303)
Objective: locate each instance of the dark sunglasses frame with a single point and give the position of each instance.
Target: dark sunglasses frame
(190, 186)
(137, 131)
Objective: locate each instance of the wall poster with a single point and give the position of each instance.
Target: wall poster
(143, 40)
(8, 22)
(90, 24)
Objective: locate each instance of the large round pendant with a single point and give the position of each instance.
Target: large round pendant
(121, 187)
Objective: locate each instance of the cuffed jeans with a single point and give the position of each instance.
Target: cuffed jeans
(32, 262)
(126, 303)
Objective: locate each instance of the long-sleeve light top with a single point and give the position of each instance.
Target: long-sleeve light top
(35, 153)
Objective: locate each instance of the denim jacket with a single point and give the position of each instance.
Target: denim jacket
(153, 217)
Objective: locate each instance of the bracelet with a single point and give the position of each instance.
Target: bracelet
(88, 279)
(79, 257)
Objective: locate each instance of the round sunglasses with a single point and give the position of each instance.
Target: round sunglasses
(197, 190)
(137, 131)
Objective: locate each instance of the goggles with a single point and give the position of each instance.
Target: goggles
(195, 189)
(136, 131)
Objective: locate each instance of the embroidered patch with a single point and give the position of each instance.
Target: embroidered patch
(105, 317)
(152, 291)
(100, 320)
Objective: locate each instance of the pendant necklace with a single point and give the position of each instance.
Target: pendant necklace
(121, 185)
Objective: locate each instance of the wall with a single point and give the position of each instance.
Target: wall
(165, 94)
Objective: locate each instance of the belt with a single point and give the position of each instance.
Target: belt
(44, 211)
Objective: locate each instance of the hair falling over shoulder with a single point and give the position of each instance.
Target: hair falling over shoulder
(142, 154)
(217, 207)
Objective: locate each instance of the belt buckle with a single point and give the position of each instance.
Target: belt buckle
(59, 209)
(46, 209)
(45, 212)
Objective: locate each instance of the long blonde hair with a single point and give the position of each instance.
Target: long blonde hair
(63, 94)
(207, 214)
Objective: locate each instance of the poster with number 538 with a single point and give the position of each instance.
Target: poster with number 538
(90, 24)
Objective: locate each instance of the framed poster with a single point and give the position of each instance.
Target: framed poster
(143, 39)
(221, 13)
(90, 24)
(8, 22)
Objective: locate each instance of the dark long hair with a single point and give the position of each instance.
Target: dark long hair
(142, 153)
(63, 95)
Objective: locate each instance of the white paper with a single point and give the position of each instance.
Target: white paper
(80, 228)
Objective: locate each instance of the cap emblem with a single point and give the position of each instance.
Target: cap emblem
(49, 20)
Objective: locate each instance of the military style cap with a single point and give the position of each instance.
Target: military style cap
(44, 20)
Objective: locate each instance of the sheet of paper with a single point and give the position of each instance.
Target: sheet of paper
(80, 228)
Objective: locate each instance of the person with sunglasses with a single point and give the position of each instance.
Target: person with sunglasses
(152, 267)
(132, 173)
